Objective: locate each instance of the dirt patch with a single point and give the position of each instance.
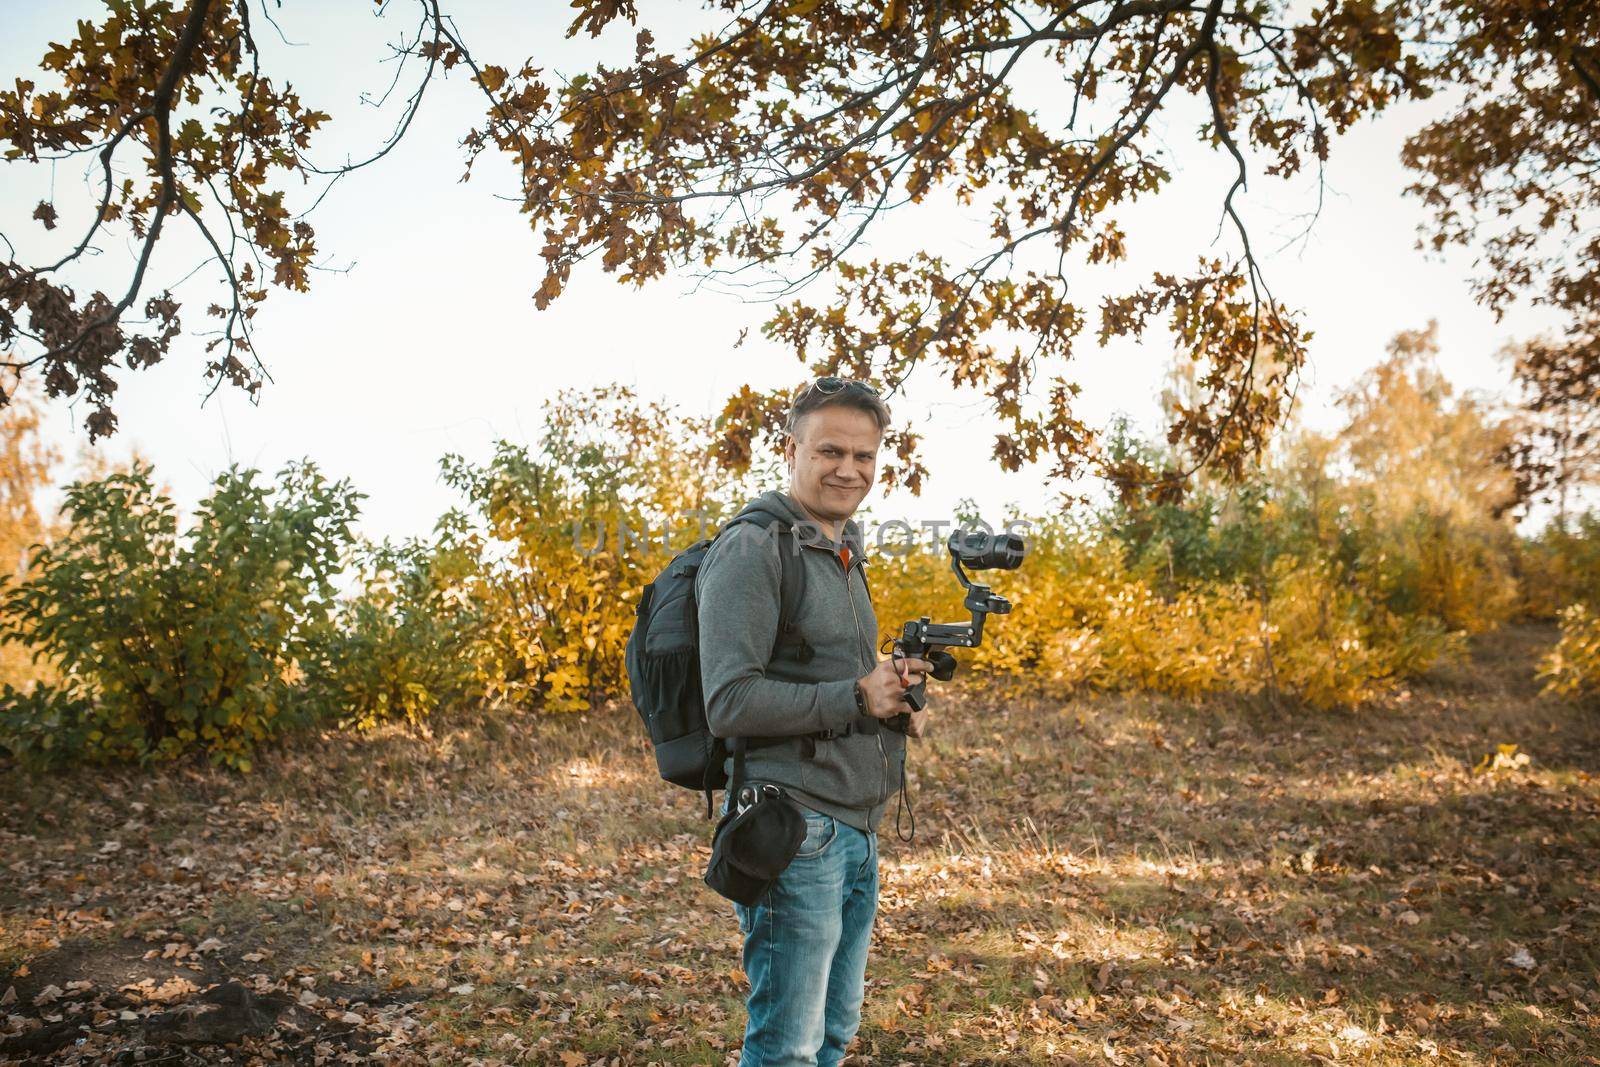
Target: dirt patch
(98, 964)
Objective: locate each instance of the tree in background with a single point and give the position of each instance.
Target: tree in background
(1363, 554)
(26, 466)
(1426, 491)
(770, 149)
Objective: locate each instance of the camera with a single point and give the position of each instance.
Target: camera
(926, 639)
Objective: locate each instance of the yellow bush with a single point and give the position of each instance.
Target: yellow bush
(1190, 646)
(565, 535)
(1080, 619)
(1573, 665)
(1559, 568)
(555, 589)
(1320, 651)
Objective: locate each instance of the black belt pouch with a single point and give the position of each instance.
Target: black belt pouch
(752, 847)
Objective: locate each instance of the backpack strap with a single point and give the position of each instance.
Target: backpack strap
(792, 580)
(738, 744)
(792, 587)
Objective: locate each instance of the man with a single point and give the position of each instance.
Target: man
(805, 941)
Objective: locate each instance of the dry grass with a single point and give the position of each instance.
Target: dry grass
(1112, 878)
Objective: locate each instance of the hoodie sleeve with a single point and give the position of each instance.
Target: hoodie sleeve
(738, 589)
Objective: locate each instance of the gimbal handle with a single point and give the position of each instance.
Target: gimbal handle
(921, 639)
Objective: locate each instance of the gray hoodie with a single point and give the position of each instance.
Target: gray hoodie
(748, 694)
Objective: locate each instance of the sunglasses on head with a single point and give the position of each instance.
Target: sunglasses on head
(829, 384)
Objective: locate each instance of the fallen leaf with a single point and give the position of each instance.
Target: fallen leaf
(1355, 1035)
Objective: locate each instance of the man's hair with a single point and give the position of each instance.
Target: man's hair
(811, 399)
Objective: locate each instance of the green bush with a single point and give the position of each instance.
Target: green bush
(403, 646)
(163, 643)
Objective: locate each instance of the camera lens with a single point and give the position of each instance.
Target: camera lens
(981, 551)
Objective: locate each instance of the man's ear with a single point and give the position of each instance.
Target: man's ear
(788, 452)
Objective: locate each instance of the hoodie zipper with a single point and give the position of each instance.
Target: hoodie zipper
(854, 615)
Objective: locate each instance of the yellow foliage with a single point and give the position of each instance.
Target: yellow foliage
(1504, 758)
(568, 533)
(1559, 568)
(1320, 651)
(1080, 620)
(25, 467)
(1573, 665)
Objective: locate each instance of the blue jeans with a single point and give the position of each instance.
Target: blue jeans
(805, 949)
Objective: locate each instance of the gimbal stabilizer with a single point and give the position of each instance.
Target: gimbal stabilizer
(927, 640)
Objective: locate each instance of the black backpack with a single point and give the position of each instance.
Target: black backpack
(663, 659)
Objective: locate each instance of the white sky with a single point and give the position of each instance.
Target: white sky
(430, 342)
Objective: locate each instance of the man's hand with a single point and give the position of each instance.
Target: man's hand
(884, 689)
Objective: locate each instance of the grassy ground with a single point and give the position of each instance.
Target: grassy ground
(1112, 878)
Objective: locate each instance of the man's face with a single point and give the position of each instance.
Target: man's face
(833, 461)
